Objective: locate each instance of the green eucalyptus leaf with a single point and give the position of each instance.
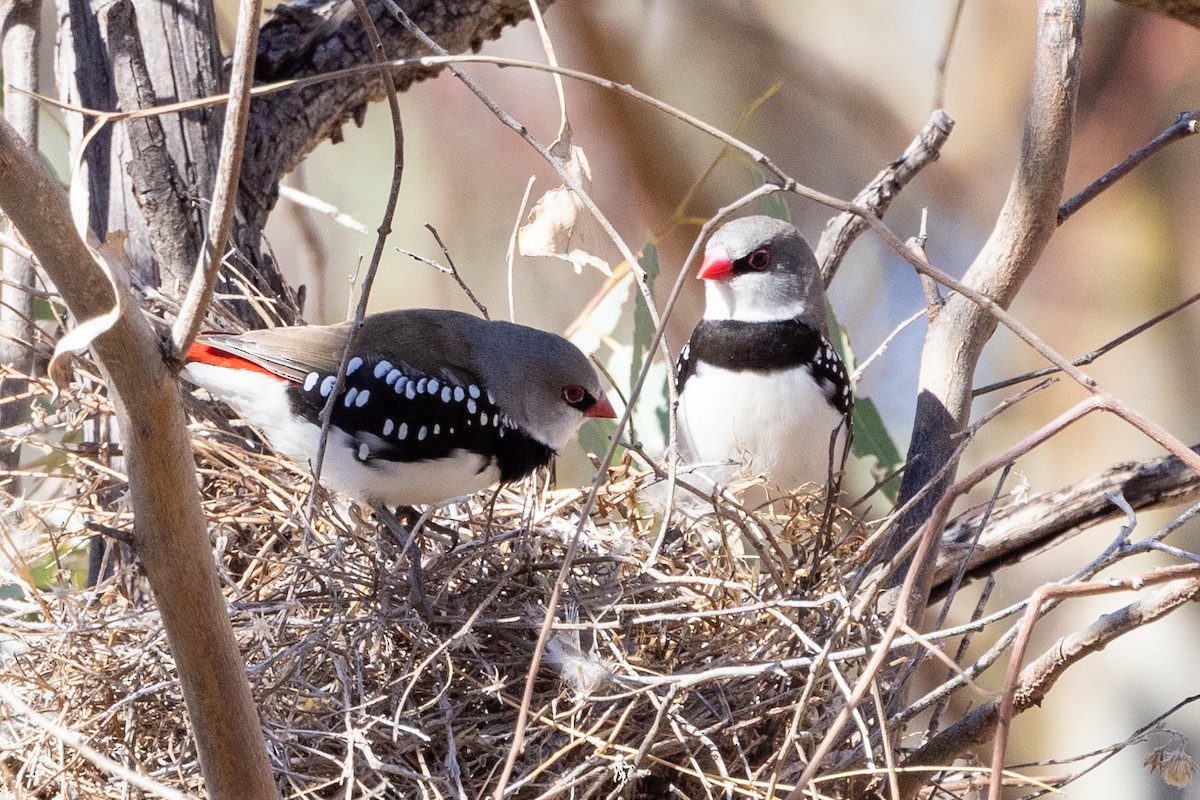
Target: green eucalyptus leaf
(871, 440)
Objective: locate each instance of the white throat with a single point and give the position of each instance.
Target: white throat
(728, 300)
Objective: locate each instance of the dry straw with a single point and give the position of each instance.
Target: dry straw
(691, 671)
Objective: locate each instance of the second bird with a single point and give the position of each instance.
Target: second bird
(436, 404)
(759, 383)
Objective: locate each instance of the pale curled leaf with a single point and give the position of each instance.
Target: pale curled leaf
(560, 227)
(113, 261)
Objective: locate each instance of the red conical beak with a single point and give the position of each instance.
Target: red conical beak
(601, 409)
(717, 264)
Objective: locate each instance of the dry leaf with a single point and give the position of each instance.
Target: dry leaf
(560, 227)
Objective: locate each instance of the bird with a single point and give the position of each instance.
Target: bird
(436, 404)
(760, 388)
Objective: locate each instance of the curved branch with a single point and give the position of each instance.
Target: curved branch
(229, 169)
(841, 231)
(170, 528)
(1023, 530)
(957, 335)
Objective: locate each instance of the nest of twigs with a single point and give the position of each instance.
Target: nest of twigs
(680, 661)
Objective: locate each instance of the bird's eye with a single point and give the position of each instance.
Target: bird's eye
(760, 259)
(574, 394)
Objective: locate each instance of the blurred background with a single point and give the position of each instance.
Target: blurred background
(831, 91)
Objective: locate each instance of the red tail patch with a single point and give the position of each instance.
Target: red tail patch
(207, 354)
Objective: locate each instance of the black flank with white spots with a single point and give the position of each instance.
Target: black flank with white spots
(396, 413)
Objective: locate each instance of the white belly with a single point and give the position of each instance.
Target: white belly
(727, 416)
(403, 483)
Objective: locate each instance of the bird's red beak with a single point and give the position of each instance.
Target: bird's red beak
(717, 264)
(601, 409)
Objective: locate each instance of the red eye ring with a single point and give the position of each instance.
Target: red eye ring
(574, 394)
(760, 259)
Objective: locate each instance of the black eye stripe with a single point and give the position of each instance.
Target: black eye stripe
(584, 403)
(754, 261)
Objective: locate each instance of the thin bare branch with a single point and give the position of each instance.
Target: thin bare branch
(943, 64)
(841, 231)
(229, 170)
(1186, 124)
(1092, 356)
(1022, 530)
(384, 230)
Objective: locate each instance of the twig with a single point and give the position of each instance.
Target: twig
(1034, 682)
(511, 252)
(1105, 753)
(1185, 125)
(229, 168)
(942, 70)
(883, 346)
(384, 230)
(321, 207)
(841, 231)
(1092, 356)
(454, 271)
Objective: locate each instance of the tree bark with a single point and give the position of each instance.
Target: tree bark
(170, 531)
(19, 34)
(1187, 11)
(961, 328)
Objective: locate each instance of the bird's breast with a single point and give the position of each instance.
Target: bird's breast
(777, 422)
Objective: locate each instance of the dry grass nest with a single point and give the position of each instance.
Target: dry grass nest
(688, 659)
